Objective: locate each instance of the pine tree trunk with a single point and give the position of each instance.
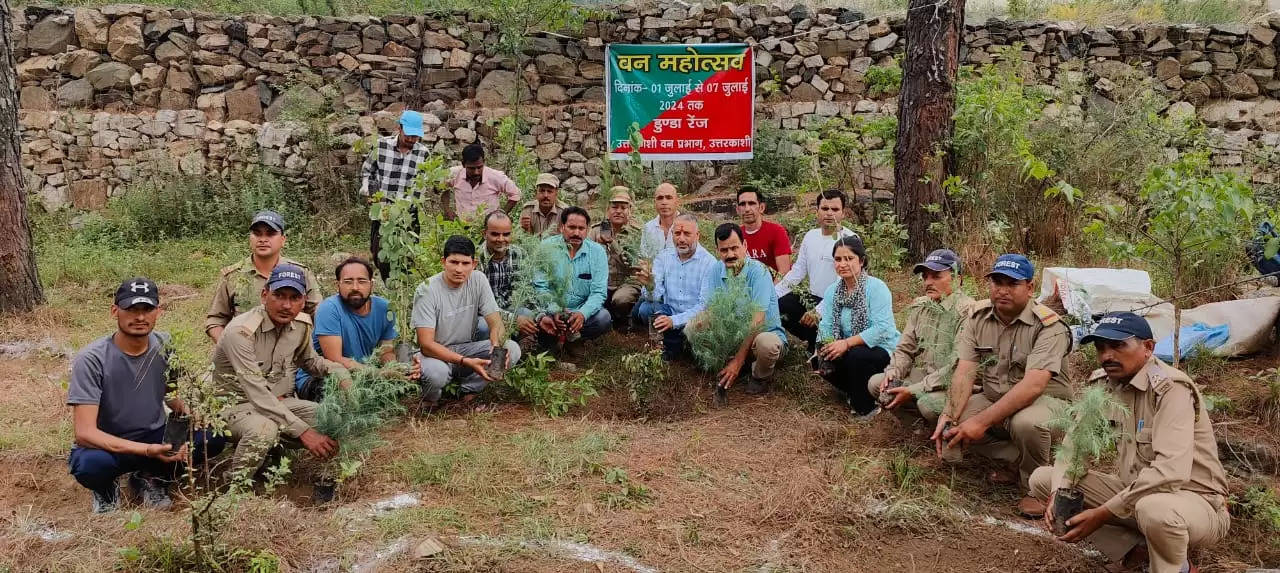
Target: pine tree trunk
(19, 285)
(925, 107)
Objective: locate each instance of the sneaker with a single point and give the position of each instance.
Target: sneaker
(153, 491)
(757, 385)
(107, 499)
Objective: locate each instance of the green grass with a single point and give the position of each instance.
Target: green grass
(416, 520)
(451, 470)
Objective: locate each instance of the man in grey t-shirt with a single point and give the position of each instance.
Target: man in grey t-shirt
(444, 311)
(117, 395)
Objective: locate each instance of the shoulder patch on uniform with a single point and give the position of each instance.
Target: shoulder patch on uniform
(229, 269)
(293, 262)
(303, 318)
(979, 306)
(1046, 315)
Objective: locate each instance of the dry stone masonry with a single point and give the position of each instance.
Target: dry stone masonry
(113, 94)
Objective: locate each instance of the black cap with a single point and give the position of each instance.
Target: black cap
(1120, 326)
(939, 260)
(271, 218)
(137, 290)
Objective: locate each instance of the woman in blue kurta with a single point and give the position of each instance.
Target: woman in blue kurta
(857, 320)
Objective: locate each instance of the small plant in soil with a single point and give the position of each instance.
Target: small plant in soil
(823, 366)
(1089, 436)
(647, 371)
(353, 417)
(532, 381)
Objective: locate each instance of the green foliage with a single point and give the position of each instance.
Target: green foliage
(164, 555)
(847, 147)
(627, 494)
(717, 333)
(169, 208)
(886, 242)
(1261, 504)
(885, 80)
(647, 371)
(632, 172)
(510, 154)
(545, 275)
(532, 382)
(1188, 223)
(1111, 12)
(354, 415)
(1088, 431)
(779, 161)
(435, 469)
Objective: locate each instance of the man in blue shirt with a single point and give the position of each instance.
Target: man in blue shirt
(769, 342)
(351, 325)
(678, 276)
(581, 267)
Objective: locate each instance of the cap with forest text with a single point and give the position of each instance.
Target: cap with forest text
(1120, 326)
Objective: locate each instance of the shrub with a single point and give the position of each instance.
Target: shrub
(886, 240)
(353, 416)
(531, 380)
(720, 329)
(647, 371)
(884, 80)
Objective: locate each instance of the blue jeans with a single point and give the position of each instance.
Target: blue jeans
(595, 326)
(673, 339)
(96, 469)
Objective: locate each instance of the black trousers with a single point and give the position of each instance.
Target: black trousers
(375, 243)
(853, 370)
(792, 309)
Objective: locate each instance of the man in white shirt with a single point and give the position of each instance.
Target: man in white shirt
(814, 261)
(657, 232)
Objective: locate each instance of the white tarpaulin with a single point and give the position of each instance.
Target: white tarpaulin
(1084, 292)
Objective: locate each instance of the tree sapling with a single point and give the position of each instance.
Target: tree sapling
(1089, 436)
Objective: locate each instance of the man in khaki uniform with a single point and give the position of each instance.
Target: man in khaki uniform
(240, 285)
(255, 365)
(1015, 350)
(613, 233)
(542, 215)
(1171, 488)
(922, 356)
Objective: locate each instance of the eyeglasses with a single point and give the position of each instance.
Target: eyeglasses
(354, 282)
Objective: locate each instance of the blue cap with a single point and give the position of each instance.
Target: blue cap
(1120, 326)
(411, 123)
(270, 218)
(287, 276)
(1014, 266)
(939, 260)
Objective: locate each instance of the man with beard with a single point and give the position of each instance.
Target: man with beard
(1170, 488)
(117, 398)
(240, 284)
(351, 326)
(1016, 350)
(624, 272)
(584, 266)
(678, 277)
(924, 353)
(768, 343)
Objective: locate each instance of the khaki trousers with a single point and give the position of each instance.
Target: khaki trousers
(1172, 522)
(1023, 439)
(255, 433)
(767, 349)
(927, 405)
(622, 300)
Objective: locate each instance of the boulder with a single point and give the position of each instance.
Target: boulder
(213, 41)
(125, 39)
(883, 43)
(75, 93)
(88, 194)
(78, 63)
(110, 76)
(244, 104)
(551, 94)
(168, 52)
(1267, 115)
(179, 80)
(1239, 85)
(91, 29)
(35, 98)
(560, 67)
(498, 88)
(1228, 113)
(213, 105)
(52, 35)
(173, 100)
(1168, 68)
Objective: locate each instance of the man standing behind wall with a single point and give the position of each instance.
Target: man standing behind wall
(391, 169)
(473, 187)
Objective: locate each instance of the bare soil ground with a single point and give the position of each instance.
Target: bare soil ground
(783, 482)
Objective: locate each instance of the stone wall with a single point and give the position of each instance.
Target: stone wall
(113, 94)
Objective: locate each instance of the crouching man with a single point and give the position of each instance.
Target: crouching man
(117, 396)
(254, 364)
(1172, 489)
(444, 311)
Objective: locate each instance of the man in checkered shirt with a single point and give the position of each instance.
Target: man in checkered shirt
(391, 169)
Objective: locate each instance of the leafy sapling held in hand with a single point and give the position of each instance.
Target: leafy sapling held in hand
(1089, 436)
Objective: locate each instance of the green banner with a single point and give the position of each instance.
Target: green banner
(690, 101)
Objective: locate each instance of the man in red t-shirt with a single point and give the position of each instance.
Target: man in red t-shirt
(765, 241)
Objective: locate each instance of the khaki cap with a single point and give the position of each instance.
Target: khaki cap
(548, 179)
(619, 194)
